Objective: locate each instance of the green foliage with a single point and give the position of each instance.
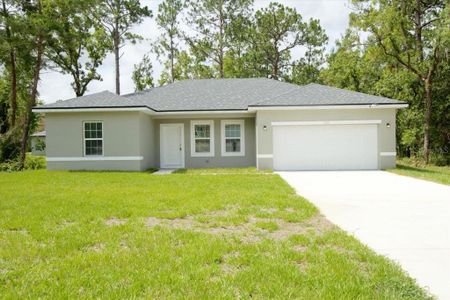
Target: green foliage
(168, 43)
(35, 162)
(143, 74)
(78, 44)
(213, 24)
(31, 163)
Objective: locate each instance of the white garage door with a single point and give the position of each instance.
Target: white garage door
(325, 147)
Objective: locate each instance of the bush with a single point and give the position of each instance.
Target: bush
(31, 163)
(35, 162)
(9, 166)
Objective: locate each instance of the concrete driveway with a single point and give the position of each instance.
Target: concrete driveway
(405, 219)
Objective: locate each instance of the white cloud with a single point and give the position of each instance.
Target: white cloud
(333, 16)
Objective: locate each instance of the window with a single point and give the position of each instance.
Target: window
(233, 142)
(93, 138)
(202, 138)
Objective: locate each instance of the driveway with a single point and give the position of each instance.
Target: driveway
(405, 219)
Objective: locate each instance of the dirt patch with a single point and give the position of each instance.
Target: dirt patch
(3, 271)
(247, 232)
(115, 222)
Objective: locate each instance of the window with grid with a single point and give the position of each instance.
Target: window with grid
(233, 138)
(93, 138)
(202, 142)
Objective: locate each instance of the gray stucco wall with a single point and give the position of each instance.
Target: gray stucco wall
(147, 141)
(121, 138)
(386, 135)
(249, 159)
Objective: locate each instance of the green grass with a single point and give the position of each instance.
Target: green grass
(121, 235)
(426, 172)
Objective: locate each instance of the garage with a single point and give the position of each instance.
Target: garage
(330, 145)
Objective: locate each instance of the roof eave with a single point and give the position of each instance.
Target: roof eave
(334, 106)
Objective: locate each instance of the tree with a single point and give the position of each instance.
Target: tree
(167, 44)
(279, 29)
(142, 74)
(187, 66)
(9, 41)
(78, 44)
(212, 21)
(39, 25)
(415, 34)
(117, 17)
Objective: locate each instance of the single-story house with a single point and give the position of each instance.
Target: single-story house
(223, 123)
(38, 143)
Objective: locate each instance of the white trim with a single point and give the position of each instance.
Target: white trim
(161, 144)
(200, 112)
(99, 109)
(93, 139)
(388, 153)
(264, 155)
(223, 138)
(314, 107)
(96, 158)
(211, 138)
(337, 122)
(139, 109)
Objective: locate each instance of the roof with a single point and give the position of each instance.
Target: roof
(39, 133)
(223, 94)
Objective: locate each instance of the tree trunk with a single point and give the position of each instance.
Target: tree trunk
(172, 50)
(117, 57)
(32, 101)
(13, 88)
(12, 57)
(221, 41)
(426, 127)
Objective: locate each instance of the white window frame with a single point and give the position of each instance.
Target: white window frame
(223, 123)
(211, 138)
(92, 139)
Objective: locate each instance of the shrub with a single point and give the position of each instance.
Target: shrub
(31, 163)
(34, 162)
(9, 166)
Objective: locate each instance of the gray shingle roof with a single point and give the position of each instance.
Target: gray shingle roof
(101, 99)
(317, 94)
(224, 94)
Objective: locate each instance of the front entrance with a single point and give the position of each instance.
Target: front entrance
(172, 145)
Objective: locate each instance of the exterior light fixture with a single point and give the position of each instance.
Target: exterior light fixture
(388, 125)
(265, 127)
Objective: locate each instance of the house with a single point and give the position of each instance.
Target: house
(223, 123)
(38, 143)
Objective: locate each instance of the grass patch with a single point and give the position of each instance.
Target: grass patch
(427, 172)
(137, 235)
(268, 225)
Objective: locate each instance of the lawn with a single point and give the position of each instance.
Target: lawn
(427, 172)
(138, 235)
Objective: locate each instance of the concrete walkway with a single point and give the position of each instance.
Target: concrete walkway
(405, 219)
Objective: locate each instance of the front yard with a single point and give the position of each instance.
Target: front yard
(186, 235)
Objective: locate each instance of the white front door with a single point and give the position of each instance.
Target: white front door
(172, 145)
(325, 147)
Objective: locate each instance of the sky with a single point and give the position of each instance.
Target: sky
(333, 16)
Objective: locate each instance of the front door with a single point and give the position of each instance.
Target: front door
(172, 145)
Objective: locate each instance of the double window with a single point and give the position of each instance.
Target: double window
(233, 138)
(93, 138)
(202, 138)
